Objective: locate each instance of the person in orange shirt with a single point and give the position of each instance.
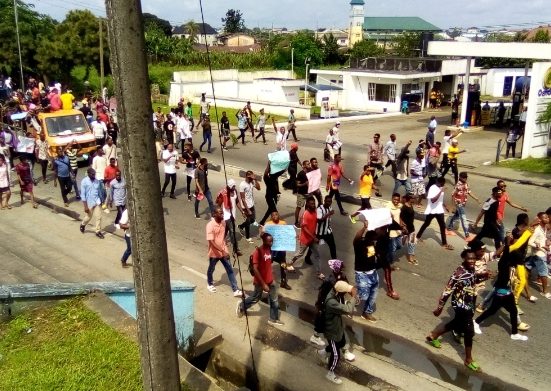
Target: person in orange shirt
(334, 174)
(218, 251)
(109, 174)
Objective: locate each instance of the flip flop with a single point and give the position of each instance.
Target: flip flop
(448, 247)
(473, 366)
(434, 342)
(413, 262)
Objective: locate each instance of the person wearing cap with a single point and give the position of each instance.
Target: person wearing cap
(460, 288)
(227, 199)
(339, 301)
(261, 126)
(460, 194)
(92, 195)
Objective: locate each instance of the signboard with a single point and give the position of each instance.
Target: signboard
(279, 161)
(314, 180)
(536, 136)
(26, 145)
(377, 217)
(284, 237)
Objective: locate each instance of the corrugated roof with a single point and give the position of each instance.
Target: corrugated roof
(357, 2)
(398, 23)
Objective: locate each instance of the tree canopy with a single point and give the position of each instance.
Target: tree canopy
(233, 22)
(153, 20)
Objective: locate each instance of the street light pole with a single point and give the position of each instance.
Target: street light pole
(307, 63)
(293, 62)
(101, 71)
(18, 45)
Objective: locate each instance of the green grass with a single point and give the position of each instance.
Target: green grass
(539, 166)
(66, 347)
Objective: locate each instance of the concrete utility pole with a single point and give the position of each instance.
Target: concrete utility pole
(463, 116)
(156, 332)
(101, 75)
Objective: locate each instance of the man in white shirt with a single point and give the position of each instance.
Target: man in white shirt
(99, 128)
(183, 128)
(435, 210)
(246, 199)
(170, 159)
(110, 150)
(99, 163)
(390, 153)
(433, 124)
(124, 223)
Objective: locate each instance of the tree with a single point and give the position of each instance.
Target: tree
(331, 49)
(541, 36)
(33, 29)
(157, 44)
(233, 22)
(153, 20)
(405, 44)
(363, 49)
(454, 32)
(192, 29)
(75, 41)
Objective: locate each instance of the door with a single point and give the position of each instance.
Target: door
(507, 85)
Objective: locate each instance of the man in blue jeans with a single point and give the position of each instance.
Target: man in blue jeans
(365, 270)
(460, 194)
(218, 251)
(263, 281)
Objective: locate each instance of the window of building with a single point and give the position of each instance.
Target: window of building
(382, 92)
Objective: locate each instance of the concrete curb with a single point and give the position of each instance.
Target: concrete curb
(519, 181)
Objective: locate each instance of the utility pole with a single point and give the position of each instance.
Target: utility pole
(156, 331)
(101, 71)
(18, 45)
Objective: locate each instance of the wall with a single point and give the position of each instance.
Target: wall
(536, 137)
(492, 83)
(240, 40)
(301, 112)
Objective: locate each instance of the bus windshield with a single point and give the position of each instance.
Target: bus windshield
(66, 125)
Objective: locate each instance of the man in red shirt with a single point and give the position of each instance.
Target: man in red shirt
(505, 199)
(218, 251)
(109, 174)
(308, 239)
(55, 100)
(263, 281)
(334, 174)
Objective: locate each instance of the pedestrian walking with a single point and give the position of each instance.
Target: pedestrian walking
(453, 152)
(225, 130)
(62, 170)
(281, 136)
(301, 189)
(492, 224)
(246, 198)
(375, 160)
(72, 150)
(124, 223)
(307, 238)
(407, 215)
(261, 126)
(218, 251)
(435, 210)
(512, 137)
(207, 133)
(402, 177)
(118, 194)
(324, 231)
(460, 195)
(263, 281)
(24, 175)
(390, 153)
(291, 125)
(272, 192)
(242, 125)
(170, 160)
(42, 151)
(417, 173)
(92, 194)
(202, 189)
(365, 270)
(279, 257)
(5, 192)
(335, 172)
(227, 200)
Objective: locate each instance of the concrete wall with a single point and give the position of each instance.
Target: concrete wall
(240, 40)
(301, 112)
(493, 82)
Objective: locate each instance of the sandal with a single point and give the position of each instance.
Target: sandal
(413, 262)
(531, 299)
(290, 268)
(393, 295)
(434, 342)
(448, 247)
(321, 276)
(35, 205)
(473, 366)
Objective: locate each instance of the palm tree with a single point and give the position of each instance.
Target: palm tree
(192, 29)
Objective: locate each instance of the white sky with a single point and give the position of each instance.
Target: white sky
(327, 13)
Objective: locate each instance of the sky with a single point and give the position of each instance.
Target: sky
(312, 14)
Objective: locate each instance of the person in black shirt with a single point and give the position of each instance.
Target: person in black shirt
(407, 215)
(168, 128)
(365, 270)
(301, 189)
(207, 133)
(290, 184)
(491, 227)
(272, 192)
(225, 130)
(190, 156)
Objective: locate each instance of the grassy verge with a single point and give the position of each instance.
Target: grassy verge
(539, 166)
(66, 347)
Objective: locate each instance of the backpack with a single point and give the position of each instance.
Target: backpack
(251, 267)
(319, 321)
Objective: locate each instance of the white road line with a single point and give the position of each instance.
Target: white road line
(193, 271)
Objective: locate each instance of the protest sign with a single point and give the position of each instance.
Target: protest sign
(377, 217)
(314, 180)
(284, 237)
(279, 161)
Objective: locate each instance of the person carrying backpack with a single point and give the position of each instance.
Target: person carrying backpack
(337, 303)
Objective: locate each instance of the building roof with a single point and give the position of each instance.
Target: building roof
(398, 23)
(357, 2)
(202, 28)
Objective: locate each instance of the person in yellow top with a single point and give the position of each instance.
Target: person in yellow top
(67, 100)
(279, 256)
(453, 151)
(366, 186)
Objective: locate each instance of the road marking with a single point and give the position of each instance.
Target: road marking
(193, 271)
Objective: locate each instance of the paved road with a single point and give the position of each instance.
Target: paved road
(38, 246)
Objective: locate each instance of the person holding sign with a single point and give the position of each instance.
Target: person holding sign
(279, 256)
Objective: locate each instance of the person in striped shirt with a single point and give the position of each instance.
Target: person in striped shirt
(71, 150)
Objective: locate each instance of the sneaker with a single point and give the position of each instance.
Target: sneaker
(333, 378)
(348, 355)
(82, 228)
(352, 219)
(520, 312)
(519, 337)
(250, 240)
(369, 317)
(284, 285)
(117, 226)
(189, 197)
(100, 235)
(479, 308)
(547, 295)
(238, 310)
(532, 299)
(523, 326)
(275, 322)
(317, 340)
(197, 217)
(211, 288)
(477, 328)
(237, 293)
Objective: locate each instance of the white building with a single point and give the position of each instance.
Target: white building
(500, 82)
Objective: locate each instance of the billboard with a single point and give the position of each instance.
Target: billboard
(536, 136)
